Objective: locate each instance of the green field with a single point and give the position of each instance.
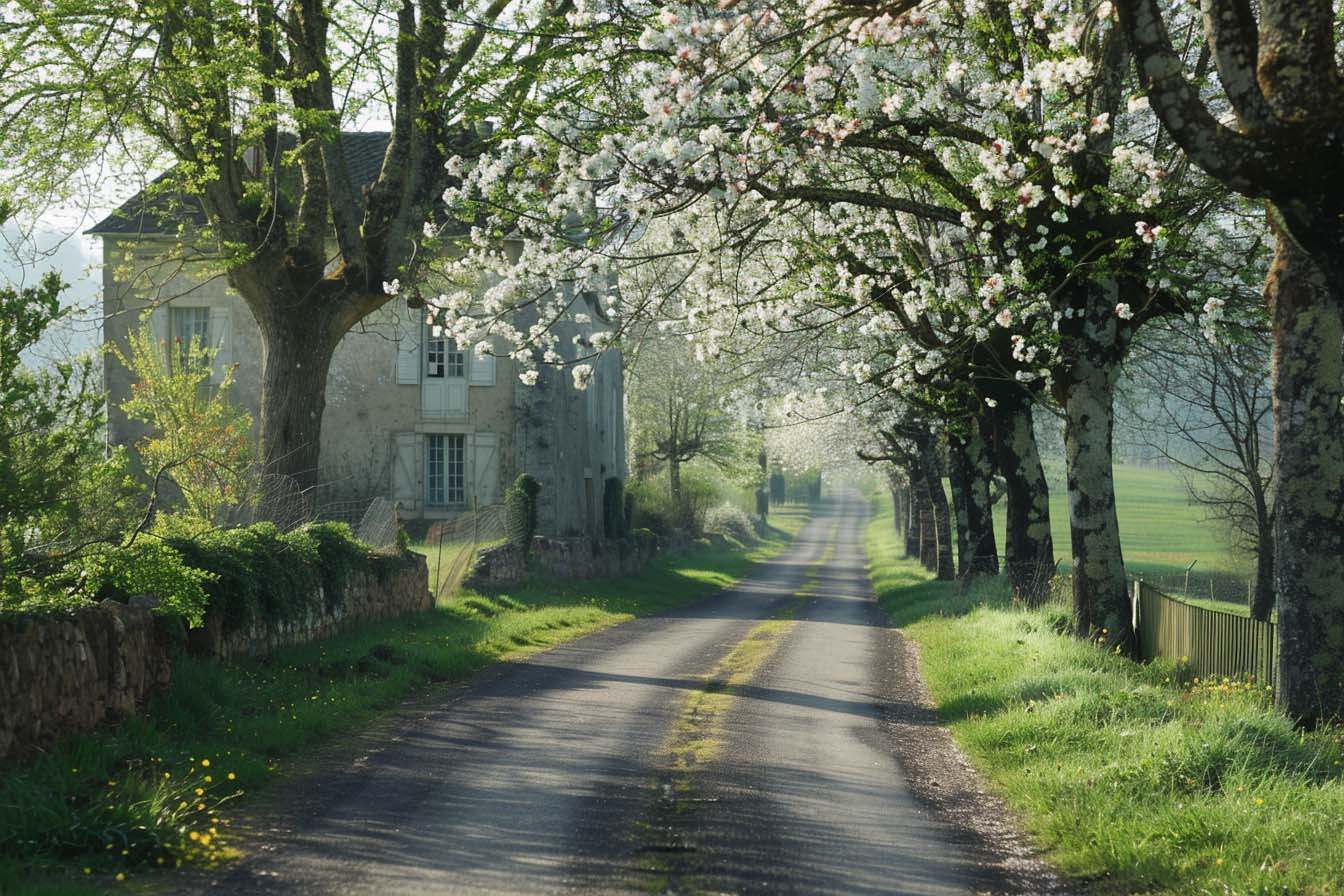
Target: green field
(1160, 530)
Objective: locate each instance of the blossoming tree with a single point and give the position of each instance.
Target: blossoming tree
(977, 177)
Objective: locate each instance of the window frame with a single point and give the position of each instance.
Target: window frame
(443, 359)
(445, 486)
(199, 326)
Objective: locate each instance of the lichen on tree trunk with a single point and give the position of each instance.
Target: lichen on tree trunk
(1308, 382)
(1101, 603)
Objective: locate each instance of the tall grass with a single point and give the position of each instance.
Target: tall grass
(1135, 779)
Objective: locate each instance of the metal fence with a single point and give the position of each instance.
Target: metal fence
(1213, 643)
(451, 544)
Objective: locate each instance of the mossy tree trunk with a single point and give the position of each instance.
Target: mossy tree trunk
(1308, 374)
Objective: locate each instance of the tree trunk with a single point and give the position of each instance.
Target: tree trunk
(1262, 593)
(928, 530)
(970, 463)
(898, 506)
(912, 518)
(1101, 601)
(1308, 375)
(941, 515)
(295, 358)
(956, 479)
(1029, 545)
(674, 486)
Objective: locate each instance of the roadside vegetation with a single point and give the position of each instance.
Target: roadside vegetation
(160, 788)
(1133, 778)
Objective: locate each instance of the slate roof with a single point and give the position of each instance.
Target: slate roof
(157, 209)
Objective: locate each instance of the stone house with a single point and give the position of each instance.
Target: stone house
(409, 415)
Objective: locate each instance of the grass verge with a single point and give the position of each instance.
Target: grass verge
(157, 790)
(1133, 778)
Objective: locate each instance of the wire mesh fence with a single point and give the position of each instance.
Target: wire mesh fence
(451, 545)
(1232, 589)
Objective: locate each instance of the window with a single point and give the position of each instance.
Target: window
(187, 324)
(442, 359)
(446, 470)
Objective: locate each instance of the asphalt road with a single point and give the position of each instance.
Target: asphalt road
(735, 746)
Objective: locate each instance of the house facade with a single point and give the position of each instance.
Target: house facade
(409, 414)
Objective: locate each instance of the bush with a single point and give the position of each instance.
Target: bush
(613, 508)
(520, 511)
(650, 506)
(152, 568)
(730, 520)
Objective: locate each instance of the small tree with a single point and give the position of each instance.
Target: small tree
(520, 511)
(59, 493)
(201, 441)
(676, 417)
(1206, 408)
(613, 508)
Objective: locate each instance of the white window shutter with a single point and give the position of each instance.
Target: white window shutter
(482, 368)
(160, 323)
(220, 335)
(410, 329)
(485, 468)
(406, 470)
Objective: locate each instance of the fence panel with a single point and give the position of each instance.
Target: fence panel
(1214, 643)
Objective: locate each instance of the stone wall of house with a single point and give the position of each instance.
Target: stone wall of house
(67, 673)
(563, 558)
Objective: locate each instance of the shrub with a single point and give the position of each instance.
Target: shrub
(200, 439)
(339, 554)
(153, 568)
(520, 511)
(613, 508)
(730, 520)
(650, 506)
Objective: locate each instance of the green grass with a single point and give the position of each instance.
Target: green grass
(1133, 779)
(1161, 531)
(125, 800)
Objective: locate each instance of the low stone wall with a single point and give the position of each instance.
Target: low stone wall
(66, 673)
(563, 558)
(402, 588)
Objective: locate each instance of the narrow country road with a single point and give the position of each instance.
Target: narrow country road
(737, 745)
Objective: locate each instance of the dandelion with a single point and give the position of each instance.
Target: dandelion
(205, 763)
